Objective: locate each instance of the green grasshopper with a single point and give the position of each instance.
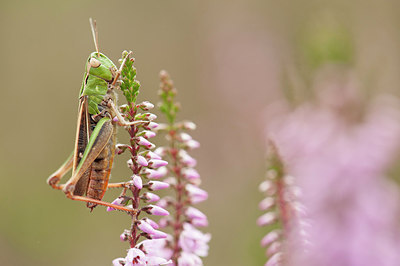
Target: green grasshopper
(92, 158)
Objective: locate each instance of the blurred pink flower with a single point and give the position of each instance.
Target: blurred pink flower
(194, 241)
(339, 161)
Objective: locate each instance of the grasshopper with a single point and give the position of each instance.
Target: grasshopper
(91, 160)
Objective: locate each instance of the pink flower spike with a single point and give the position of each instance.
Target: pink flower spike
(157, 185)
(196, 194)
(153, 155)
(155, 210)
(115, 119)
(137, 182)
(117, 201)
(157, 163)
(150, 197)
(144, 142)
(266, 219)
(141, 160)
(190, 173)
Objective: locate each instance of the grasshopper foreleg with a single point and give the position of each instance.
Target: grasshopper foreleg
(121, 121)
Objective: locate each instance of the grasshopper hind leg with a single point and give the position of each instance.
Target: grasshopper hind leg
(55, 178)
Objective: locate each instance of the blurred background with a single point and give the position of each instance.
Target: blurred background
(229, 60)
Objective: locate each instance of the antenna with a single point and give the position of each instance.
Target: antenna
(95, 35)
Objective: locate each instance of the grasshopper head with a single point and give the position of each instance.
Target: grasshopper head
(101, 66)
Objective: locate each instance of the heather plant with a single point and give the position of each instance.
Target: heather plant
(186, 244)
(283, 213)
(146, 166)
(338, 146)
(339, 149)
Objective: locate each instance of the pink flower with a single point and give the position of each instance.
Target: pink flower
(117, 201)
(141, 160)
(190, 173)
(156, 247)
(150, 197)
(192, 144)
(156, 210)
(150, 173)
(189, 259)
(137, 182)
(157, 163)
(157, 185)
(152, 155)
(340, 161)
(151, 222)
(137, 257)
(196, 194)
(189, 125)
(149, 134)
(144, 142)
(187, 159)
(266, 219)
(194, 241)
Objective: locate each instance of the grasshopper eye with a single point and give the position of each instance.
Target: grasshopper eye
(94, 62)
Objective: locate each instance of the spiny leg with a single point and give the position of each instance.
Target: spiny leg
(100, 202)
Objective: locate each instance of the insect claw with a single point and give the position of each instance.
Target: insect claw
(52, 181)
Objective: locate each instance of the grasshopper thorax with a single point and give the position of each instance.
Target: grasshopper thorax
(99, 77)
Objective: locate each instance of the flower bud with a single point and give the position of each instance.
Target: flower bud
(192, 144)
(153, 155)
(117, 201)
(150, 197)
(141, 160)
(190, 173)
(144, 142)
(150, 173)
(146, 105)
(266, 219)
(156, 210)
(157, 163)
(157, 185)
(137, 181)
